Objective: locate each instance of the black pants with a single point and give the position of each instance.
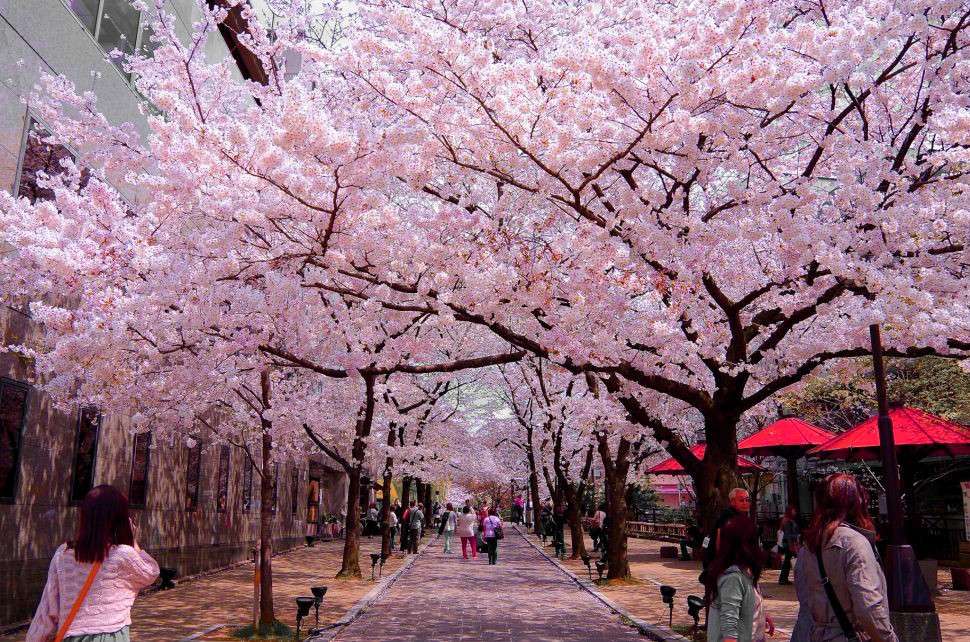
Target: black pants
(491, 544)
(685, 545)
(415, 538)
(404, 538)
(785, 565)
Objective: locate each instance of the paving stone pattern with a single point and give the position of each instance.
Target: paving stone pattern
(523, 597)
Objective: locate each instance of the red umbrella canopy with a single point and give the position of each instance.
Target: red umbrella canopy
(785, 438)
(923, 434)
(671, 467)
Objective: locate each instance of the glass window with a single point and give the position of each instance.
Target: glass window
(119, 27)
(140, 458)
(247, 489)
(85, 450)
(42, 160)
(13, 411)
(192, 480)
(87, 12)
(294, 490)
(222, 497)
(115, 24)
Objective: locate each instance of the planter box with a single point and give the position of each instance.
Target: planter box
(961, 579)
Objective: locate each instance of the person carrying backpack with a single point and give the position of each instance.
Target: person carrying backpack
(449, 522)
(415, 524)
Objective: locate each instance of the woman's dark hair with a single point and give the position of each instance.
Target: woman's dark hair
(739, 546)
(493, 511)
(840, 498)
(448, 506)
(103, 522)
(466, 510)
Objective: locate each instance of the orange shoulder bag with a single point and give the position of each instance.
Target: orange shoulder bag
(62, 631)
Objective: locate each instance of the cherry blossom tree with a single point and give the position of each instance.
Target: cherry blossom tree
(703, 201)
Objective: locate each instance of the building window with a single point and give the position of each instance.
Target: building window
(42, 160)
(247, 489)
(115, 24)
(192, 478)
(294, 491)
(140, 459)
(222, 497)
(85, 451)
(13, 412)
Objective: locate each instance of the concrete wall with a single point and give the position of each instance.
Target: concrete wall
(45, 36)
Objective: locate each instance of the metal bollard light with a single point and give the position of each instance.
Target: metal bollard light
(694, 607)
(303, 605)
(318, 593)
(589, 569)
(374, 559)
(667, 595)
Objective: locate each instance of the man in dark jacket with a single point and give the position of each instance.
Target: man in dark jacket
(739, 503)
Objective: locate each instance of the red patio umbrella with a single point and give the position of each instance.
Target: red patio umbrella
(917, 434)
(670, 466)
(790, 438)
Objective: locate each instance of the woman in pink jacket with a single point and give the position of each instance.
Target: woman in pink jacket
(105, 555)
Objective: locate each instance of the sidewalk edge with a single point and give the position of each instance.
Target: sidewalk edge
(652, 631)
(333, 630)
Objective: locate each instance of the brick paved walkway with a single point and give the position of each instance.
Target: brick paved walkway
(523, 597)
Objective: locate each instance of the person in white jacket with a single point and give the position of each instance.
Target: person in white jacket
(467, 522)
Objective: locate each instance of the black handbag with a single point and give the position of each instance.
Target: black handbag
(847, 629)
(499, 533)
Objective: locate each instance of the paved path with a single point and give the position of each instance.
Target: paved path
(523, 597)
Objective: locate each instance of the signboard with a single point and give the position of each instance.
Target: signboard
(965, 490)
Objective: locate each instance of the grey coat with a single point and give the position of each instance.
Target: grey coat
(735, 611)
(859, 583)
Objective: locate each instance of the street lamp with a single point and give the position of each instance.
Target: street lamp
(908, 593)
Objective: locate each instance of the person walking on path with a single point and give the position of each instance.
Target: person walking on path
(839, 582)
(415, 524)
(491, 527)
(94, 579)
(737, 612)
(392, 527)
(466, 531)
(788, 535)
(406, 528)
(596, 530)
(449, 522)
(739, 503)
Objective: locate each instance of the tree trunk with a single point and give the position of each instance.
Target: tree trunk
(350, 567)
(427, 503)
(534, 491)
(575, 518)
(266, 612)
(716, 474)
(405, 502)
(615, 471)
(386, 514)
(351, 560)
(616, 545)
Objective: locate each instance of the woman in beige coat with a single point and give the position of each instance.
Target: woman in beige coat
(842, 531)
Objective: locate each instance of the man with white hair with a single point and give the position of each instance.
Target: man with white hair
(739, 503)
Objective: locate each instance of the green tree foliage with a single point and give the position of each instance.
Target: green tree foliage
(845, 394)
